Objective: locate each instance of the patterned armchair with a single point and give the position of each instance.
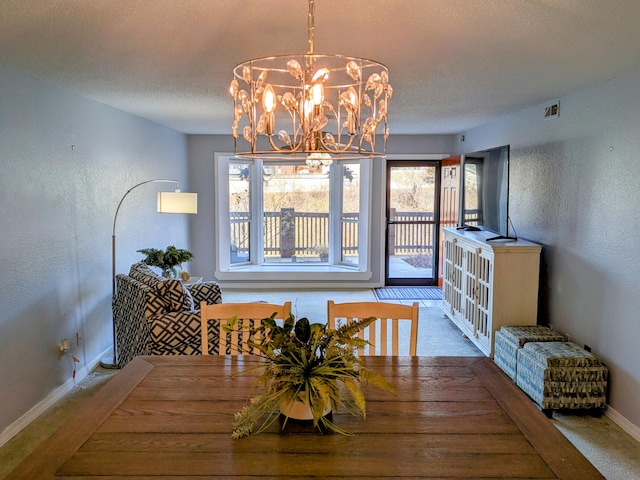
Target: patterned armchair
(156, 316)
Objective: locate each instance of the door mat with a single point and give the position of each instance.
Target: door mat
(409, 293)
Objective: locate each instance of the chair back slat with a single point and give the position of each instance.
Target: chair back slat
(246, 313)
(386, 327)
(395, 335)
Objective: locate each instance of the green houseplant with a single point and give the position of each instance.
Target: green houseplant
(322, 251)
(167, 260)
(308, 363)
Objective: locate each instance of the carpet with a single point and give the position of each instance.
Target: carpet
(409, 293)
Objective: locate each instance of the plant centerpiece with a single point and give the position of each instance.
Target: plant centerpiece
(310, 364)
(167, 260)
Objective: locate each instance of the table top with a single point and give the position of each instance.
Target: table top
(171, 416)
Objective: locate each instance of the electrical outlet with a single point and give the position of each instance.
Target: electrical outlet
(63, 347)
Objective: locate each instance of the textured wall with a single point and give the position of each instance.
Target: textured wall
(57, 214)
(575, 188)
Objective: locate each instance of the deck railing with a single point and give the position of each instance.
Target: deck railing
(289, 233)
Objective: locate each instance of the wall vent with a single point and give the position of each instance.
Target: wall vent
(552, 110)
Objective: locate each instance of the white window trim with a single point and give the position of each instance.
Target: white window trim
(256, 270)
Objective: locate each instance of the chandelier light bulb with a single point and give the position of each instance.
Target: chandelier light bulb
(317, 94)
(268, 99)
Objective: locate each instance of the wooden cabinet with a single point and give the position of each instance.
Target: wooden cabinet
(489, 284)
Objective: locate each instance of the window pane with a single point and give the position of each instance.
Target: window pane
(472, 189)
(349, 218)
(239, 211)
(411, 236)
(296, 213)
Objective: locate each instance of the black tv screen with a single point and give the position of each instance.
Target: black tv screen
(485, 193)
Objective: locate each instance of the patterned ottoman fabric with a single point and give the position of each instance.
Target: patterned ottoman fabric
(509, 339)
(561, 375)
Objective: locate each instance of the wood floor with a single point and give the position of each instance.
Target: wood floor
(171, 417)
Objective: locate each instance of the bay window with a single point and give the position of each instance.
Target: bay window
(286, 217)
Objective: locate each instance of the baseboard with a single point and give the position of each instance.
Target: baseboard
(37, 410)
(270, 286)
(623, 423)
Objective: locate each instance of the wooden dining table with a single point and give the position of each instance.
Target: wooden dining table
(171, 417)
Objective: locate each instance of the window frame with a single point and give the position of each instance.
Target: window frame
(256, 269)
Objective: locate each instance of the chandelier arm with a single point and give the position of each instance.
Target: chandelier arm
(297, 148)
(294, 129)
(273, 145)
(371, 142)
(252, 119)
(337, 148)
(348, 146)
(297, 132)
(281, 150)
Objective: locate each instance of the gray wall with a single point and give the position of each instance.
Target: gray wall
(201, 157)
(57, 208)
(575, 188)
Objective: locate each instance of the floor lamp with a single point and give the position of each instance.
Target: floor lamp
(168, 202)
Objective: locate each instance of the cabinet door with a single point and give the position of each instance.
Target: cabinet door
(477, 295)
(457, 278)
(447, 273)
(484, 298)
(469, 311)
(452, 281)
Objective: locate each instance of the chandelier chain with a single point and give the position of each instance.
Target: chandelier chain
(311, 26)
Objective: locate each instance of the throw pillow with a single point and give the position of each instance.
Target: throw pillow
(142, 273)
(175, 296)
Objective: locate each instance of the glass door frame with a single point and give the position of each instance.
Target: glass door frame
(414, 281)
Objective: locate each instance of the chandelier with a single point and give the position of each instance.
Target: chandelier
(311, 107)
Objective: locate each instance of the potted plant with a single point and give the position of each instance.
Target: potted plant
(167, 260)
(306, 365)
(322, 251)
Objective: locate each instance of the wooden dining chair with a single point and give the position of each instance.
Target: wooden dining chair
(385, 330)
(245, 313)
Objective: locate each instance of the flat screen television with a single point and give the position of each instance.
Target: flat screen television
(485, 192)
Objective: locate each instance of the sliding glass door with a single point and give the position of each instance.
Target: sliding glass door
(413, 189)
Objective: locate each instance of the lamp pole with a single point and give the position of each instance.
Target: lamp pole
(114, 362)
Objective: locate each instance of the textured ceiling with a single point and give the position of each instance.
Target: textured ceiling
(454, 64)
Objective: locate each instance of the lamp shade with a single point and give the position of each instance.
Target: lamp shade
(177, 202)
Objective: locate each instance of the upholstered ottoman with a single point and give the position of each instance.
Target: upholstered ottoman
(510, 338)
(561, 375)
